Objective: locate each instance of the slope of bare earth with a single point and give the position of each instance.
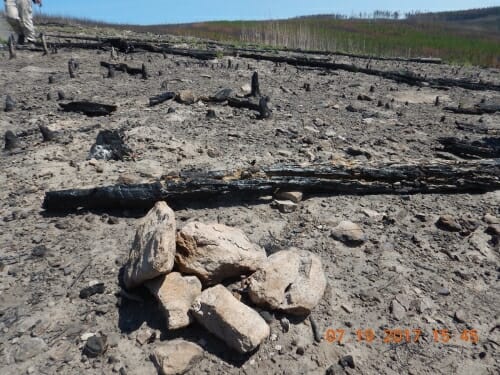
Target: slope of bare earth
(409, 274)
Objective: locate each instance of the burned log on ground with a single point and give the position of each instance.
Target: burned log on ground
(482, 148)
(407, 77)
(221, 96)
(478, 129)
(122, 67)
(479, 109)
(90, 109)
(232, 47)
(438, 177)
(158, 99)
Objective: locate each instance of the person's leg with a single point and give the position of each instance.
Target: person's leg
(25, 10)
(12, 16)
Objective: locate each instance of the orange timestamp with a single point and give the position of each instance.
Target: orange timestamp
(399, 336)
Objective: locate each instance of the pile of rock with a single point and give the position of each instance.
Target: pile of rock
(204, 256)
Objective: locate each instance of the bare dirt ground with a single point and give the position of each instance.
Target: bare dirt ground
(409, 274)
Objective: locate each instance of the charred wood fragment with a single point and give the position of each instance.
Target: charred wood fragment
(158, 99)
(10, 104)
(44, 44)
(90, 109)
(12, 47)
(122, 67)
(11, 140)
(255, 85)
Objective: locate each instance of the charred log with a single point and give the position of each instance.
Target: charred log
(90, 109)
(158, 99)
(479, 109)
(450, 178)
(483, 148)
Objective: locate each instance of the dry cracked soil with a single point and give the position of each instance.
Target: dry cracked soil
(409, 274)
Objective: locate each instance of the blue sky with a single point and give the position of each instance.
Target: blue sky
(165, 11)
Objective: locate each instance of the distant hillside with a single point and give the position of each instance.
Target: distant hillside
(487, 19)
(465, 37)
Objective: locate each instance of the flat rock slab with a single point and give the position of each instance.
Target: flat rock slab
(215, 252)
(290, 280)
(176, 294)
(176, 357)
(153, 251)
(239, 326)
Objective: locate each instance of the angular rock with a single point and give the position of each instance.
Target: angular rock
(490, 219)
(176, 295)
(349, 233)
(290, 280)
(239, 326)
(95, 346)
(176, 357)
(215, 252)
(285, 207)
(153, 251)
(294, 196)
(397, 310)
(186, 97)
(448, 223)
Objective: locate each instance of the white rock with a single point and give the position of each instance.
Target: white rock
(176, 294)
(294, 196)
(153, 251)
(292, 281)
(215, 252)
(186, 97)
(176, 357)
(285, 207)
(239, 326)
(349, 233)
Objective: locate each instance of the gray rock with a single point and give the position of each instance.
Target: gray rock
(349, 233)
(292, 281)
(239, 326)
(448, 223)
(153, 251)
(285, 207)
(397, 310)
(176, 295)
(176, 357)
(95, 346)
(29, 347)
(490, 219)
(215, 252)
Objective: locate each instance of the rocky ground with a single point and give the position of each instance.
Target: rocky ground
(428, 262)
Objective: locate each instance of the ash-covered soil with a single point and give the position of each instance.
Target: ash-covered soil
(408, 274)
